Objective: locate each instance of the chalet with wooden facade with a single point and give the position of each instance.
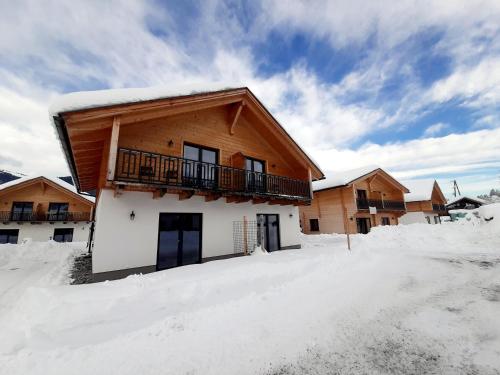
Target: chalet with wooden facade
(182, 175)
(425, 203)
(42, 209)
(463, 202)
(353, 202)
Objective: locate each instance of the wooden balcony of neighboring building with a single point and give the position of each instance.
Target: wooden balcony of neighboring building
(172, 172)
(381, 205)
(439, 208)
(9, 216)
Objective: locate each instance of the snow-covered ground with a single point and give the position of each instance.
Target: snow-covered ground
(416, 299)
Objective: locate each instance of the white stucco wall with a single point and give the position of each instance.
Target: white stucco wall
(121, 243)
(417, 217)
(45, 231)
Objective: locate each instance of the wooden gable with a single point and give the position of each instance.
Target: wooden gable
(232, 121)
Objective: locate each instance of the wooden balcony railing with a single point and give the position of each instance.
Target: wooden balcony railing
(6, 216)
(438, 207)
(383, 205)
(172, 171)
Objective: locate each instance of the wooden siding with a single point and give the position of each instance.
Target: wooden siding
(209, 128)
(42, 196)
(437, 197)
(326, 206)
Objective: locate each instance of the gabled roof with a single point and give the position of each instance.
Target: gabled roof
(421, 190)
(53, 181)
(98, 107)
(346, 178)
(459, 198)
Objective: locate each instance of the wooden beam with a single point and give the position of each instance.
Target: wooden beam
(236, 114)
(346, 220)
(282, 202)
(159, 193)
(237, 199)
(113, 148)
(212, 197)
(259, 200)
(185, 195)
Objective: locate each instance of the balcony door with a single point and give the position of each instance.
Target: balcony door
(58, 211)
(255, 178)
(268, 231)
(21, 211)
(200, 167)
(179, 240)
(363, 225)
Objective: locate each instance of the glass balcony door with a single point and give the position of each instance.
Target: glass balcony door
(255, 177)
(200, 167)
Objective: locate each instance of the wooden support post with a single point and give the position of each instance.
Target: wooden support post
(185, 195)
(309, 176)
(245, 235)
(113, 148)
(346, 220)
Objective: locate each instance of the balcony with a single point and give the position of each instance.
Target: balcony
(381, 205)
(170, 171)
(6, 216)
(440, 208)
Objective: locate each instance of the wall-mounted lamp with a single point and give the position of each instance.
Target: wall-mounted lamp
(170, 143)
(351, 218)
(273, 165)
(291, 215)
(132, 215)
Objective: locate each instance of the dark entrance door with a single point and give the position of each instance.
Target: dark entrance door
(268, 231)
(363, 225)
(179, 240)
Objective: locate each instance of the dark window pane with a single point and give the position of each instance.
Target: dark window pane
(209, 156)
(258, 166)
(314, 225)
(192, 153)
(9, 236)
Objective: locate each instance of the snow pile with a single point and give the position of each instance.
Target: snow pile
(408, 299)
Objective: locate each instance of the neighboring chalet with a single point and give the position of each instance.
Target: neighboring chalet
(464, 203)
(354, 201)
(425, 203)
(42, 209)
(182, 175)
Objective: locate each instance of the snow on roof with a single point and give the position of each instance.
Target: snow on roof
(465, 197)
(420, 190)
(101, 98)
(343, 178)
(55, 180)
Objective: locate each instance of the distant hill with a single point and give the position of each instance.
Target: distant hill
(6, 176)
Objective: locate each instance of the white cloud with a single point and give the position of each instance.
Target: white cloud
(452, 154)
(435, 129)
(52, 45)
(477, 85)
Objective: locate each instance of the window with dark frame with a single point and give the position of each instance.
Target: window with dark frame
(9, 236)
(21, 211)
(58, 211)
(200, 168)
(314, 225)
(386, 221)
(63, 235)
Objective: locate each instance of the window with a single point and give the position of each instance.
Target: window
(201, 167)
(256, 180)
(437, 220)
(314, 225)
(63, 235)
(22, 211)
(386, 221)
(9, 235)
(58, 211)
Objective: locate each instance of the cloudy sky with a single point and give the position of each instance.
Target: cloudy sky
(413, 86)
